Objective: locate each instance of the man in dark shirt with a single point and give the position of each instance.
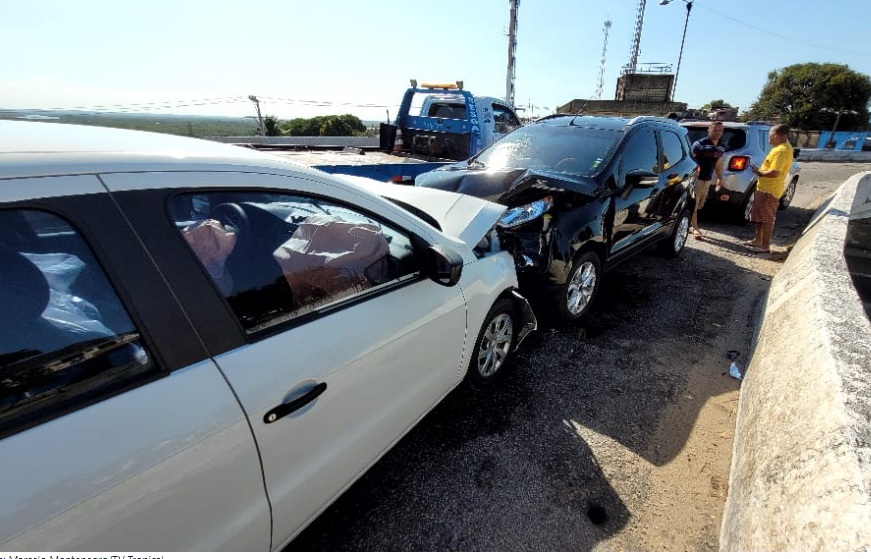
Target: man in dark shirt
(707, 153)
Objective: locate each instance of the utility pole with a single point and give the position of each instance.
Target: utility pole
(512, 46)
(636, 38)
(831, 143)
(259, 116)
(601, 83)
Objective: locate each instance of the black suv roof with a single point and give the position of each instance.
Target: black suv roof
(600, 122)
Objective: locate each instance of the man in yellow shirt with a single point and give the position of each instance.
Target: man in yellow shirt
(770, 186)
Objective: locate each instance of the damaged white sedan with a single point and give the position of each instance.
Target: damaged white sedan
(202, 346)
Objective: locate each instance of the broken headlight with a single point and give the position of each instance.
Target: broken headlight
(526, 213)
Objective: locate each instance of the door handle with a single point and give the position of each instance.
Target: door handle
(278, 412)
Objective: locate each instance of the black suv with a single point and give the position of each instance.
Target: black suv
(584, 193)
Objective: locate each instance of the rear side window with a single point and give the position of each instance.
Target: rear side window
(65, 337)
(504, 119)
(276, 257)
(672, 149)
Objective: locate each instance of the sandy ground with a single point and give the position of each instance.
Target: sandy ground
(612, 435)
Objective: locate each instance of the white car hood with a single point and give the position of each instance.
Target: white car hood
(464, 217)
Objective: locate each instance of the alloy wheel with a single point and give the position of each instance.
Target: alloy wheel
(748, 205)
(495, 344)
(786, 200)
(683, 230)
(581, 288)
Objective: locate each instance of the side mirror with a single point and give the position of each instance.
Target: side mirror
(796, 152)
(639, 178)
(443, 265)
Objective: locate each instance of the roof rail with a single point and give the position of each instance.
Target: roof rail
(650, 118)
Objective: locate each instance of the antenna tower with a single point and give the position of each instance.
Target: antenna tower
(601, 83)
(512, 46)
(636, 39)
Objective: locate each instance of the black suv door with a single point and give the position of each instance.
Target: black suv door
(633, 211)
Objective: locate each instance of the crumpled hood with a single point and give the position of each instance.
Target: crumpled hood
(464, 217)
(511, 187)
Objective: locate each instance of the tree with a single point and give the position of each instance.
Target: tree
(332, 125)
(809, 96)
(271, 124)
(716, 104)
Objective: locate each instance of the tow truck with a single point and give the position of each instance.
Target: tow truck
(437, 124)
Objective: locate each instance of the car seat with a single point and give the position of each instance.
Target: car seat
(24, 296)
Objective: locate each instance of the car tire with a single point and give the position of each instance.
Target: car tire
(494, 345)
(788, 194)
(575, 298)
(677, 240)
(743, 215)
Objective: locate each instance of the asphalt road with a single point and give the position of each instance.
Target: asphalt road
(612, 435)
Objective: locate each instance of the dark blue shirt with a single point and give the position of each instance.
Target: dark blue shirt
(706, 155)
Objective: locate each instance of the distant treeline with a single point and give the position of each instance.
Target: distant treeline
(202, 126)
(332, 125)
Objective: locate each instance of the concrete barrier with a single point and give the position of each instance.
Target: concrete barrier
(801, 463)
(353, 141)
(834, 155)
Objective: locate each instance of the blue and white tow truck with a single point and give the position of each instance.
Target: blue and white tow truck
(437, 124)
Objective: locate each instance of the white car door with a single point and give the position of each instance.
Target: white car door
(109, 440)
(333, 371)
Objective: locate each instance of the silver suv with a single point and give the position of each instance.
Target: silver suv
(746, 143)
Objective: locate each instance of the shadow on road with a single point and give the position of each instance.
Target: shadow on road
(520, 468)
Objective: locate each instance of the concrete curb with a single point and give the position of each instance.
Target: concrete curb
(834, 155)
(801, 463)
(353, 141)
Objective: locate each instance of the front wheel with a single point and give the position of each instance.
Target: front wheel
(496, 341)
(788, 194)
(673, 245)
(577, 295)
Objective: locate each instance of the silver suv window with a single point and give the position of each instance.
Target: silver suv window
(733, 138)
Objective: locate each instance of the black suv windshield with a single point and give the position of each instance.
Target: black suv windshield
(570, 149)
(733, 138)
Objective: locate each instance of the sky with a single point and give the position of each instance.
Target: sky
(303, 58)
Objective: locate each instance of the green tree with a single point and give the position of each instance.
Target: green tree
(808, 96)
(331, 125)
(716, 104)
(272, 126)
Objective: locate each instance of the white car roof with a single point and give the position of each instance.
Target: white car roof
(41, 149)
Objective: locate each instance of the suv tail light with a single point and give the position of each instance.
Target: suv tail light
(738, 163)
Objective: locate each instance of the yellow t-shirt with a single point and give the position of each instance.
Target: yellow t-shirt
(780, 158)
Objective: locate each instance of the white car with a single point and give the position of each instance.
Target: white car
(202, 346)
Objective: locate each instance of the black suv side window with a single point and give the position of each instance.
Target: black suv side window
(65, 337)
(275, 257)
(640, 152)
(672, 149)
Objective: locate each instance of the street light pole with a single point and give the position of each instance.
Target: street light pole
(689, 4)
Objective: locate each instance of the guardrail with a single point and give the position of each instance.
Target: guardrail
(801, 463)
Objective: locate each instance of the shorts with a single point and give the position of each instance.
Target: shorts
(700, 192)
(764, 208)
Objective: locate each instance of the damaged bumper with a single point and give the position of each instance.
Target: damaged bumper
(529, 322)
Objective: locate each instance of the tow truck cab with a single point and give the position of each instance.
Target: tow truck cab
(448, 122)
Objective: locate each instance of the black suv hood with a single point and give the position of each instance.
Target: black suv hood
(511, 187)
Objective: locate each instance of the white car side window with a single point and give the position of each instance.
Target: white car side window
(65, 337)
(275, 257)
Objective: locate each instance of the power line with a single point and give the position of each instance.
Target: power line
(133, 107)
(788, 38)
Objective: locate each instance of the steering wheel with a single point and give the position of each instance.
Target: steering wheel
(232, 215)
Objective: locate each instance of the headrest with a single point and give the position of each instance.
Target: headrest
(24, 292)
